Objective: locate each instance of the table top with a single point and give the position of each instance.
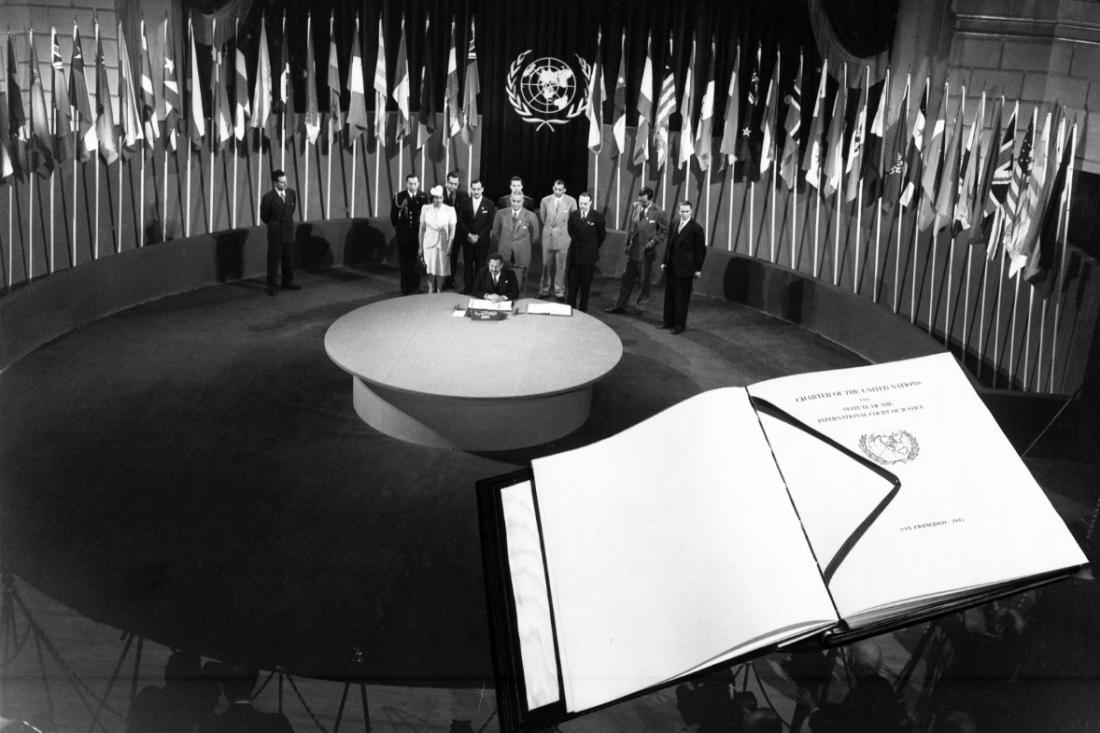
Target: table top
(416, 344)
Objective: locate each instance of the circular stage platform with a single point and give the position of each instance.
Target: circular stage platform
(424, 375)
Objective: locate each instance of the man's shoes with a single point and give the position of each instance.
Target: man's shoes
(664, 325)
(292, 286)
(677, 331)
(613, 309)
(271, 291)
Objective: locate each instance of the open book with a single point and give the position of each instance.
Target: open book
(823, 506)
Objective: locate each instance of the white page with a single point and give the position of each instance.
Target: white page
(669, 545)
(968, 512)
(532, 601)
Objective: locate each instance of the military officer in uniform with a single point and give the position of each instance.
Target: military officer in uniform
(405, 217)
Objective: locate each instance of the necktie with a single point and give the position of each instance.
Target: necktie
(557, 203)
(282, 195)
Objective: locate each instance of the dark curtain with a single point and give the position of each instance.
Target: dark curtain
(864, 27)
(505, 28)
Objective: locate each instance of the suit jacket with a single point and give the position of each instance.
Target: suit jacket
(524, 233)
(456, 202)
(586, 236)
(555, 221)
(504, 202)
(279, 215)
(479, 222)
(405, 214)
(506, 284)
(646, 234)
(686, 249)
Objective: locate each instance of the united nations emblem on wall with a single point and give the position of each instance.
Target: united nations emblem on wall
(898, 446)
(547, 91)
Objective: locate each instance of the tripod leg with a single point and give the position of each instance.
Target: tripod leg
(340, 710)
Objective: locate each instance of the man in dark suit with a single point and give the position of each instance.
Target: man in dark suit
(405, 217)
(682, 264)
(454, 198)
(515, 185)
(277, 212)
(644, 236)
(587, 229)
(495, 283)
(475, 227)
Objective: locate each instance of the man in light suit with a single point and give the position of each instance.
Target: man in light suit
(587, 229)
(644, 235)
(683, 263)
(554, 212)
(475, 227)
(515, 231)
(277, 212)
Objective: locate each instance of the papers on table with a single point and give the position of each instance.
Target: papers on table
(549, 309)
(490, 305)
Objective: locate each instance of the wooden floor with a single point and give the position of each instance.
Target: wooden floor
(191, 473)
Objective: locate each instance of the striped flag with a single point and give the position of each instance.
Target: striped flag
(746, 151)
(401, 87)
(450, 88)
(854, 167)
(261, 94)
(62, 106)
(895, 171)
(41, 138)
(17, 115)
(1021, 173)
(170, 90)
(148, 93)
(596, 93)
(358, 122)
(811, 159)
(312, 121)
(968, 169)
(470, 90)
(687, 112)
(618, 119)
(768, 121)
(986, 164)
(196, 125)
(933, 158)
(87, 139)
(733, 114)
(105, 116)
(704, 133)
(645, 106)
(425, 127)
(241, 109)
(1031, 202)
(834, 139)
(221, 123)
(874, 146)
(910, 190)
(335, 121)
(132, 135)
(788, 164)
(380, 91)
(666, 105)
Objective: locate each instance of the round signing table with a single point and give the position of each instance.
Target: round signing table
(425, 376)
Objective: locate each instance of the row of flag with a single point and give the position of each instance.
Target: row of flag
(996, 195)
(79, 120)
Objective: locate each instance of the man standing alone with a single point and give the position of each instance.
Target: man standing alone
(682, 264)
(277, 212)
(405, 217)
(587, 229)
(554, 212)
(644, 236)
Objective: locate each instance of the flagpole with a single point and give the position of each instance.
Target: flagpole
(424, 162)
(354, 158)
(817, 228)
(619, 190)
(259, 165)
(981, 315)
(916, 253)
(118, 238)
(1062, 256)
(664, 187)
(446, 125)
(752, 215)
(965, 339)
(794, 224)
(52, 241)
(859, 236)
(187, 228)
(469, 164)
(305, 199)
(328, 174)
(596, 181)
(379, 148)
(1027, 335)
(141, 199)
(997, 320)
(707, 227)
(932, 270)
(210, 222)
(11, 242)
(947, 284)
(771, 197)
(30, 227)
(72, 245)
(1012, 330)
(836, 240)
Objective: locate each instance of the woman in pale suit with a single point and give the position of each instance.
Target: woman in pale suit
(437, 231)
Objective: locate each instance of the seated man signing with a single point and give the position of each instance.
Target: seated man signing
(494, 282)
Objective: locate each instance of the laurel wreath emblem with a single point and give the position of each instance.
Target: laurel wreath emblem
(524, 110)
